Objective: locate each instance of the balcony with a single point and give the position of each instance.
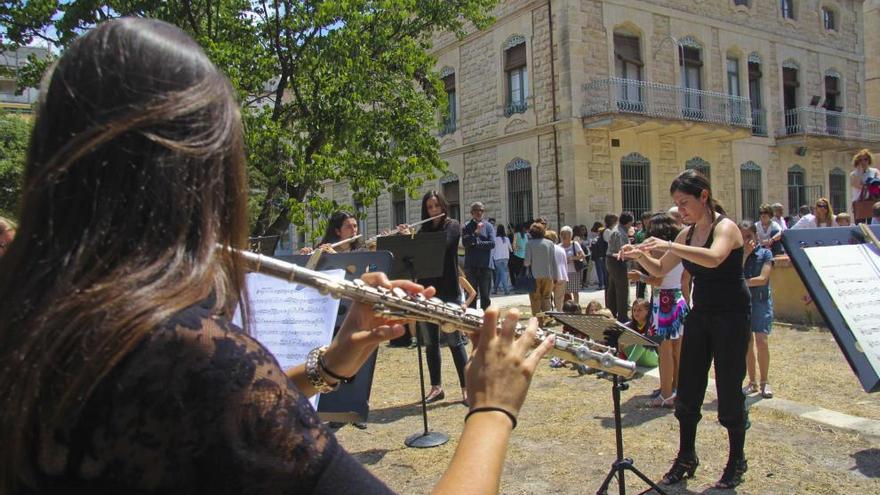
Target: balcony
(617, 103)
(515, 106)
(759, 122)
(825, 129)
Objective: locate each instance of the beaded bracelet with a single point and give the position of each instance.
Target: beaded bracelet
(487, 409)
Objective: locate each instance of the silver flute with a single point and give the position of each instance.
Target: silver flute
(398, 304)
(409, 226)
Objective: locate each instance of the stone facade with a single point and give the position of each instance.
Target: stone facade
(575, 160)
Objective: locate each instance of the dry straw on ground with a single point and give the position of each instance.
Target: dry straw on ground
(565, 441)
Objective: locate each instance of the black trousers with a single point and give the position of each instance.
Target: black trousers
(430, 334)
(722, 338)
(515, 266)
(617, 290)
(481, 279)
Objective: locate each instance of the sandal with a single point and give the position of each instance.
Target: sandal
(682, 468)
(435, 395)
(765, 391)
(660, 401)
(751, 388)
(733, 474)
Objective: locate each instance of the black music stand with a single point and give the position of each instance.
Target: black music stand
(796, 242)
(612, 333)
(415, 257)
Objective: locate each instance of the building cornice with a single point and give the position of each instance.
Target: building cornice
(547, 128)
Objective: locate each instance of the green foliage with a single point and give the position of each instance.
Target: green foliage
(15, 131)
(332, 90)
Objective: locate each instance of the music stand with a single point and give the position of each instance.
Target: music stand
(612, 333)
(415, 257)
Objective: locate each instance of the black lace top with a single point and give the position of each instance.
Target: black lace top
(198, 407)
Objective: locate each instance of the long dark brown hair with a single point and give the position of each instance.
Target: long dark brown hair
(331, 234)
(444, 205)
(135, 173)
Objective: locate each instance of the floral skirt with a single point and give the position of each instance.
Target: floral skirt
(669, 310)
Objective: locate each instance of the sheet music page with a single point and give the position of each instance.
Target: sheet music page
(851, 275)
(290, 319)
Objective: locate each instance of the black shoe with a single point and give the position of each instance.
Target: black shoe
(435, 397)
(733, 474)
(360, 426)
(683, 467)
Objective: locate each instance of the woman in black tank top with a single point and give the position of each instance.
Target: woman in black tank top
(717, 328)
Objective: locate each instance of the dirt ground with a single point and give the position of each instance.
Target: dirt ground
(565, 439)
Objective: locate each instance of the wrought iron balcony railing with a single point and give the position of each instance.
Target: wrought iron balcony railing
(617, 95)
(513, 107)
(815, 121)
(759, 122)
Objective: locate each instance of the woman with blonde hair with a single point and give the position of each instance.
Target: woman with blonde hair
(822, 216)
(861, 174)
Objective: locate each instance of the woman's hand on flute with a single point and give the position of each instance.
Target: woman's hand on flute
(501, 366)
(361, 332)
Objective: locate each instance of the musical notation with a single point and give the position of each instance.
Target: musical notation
(851, 274)
(290, 319)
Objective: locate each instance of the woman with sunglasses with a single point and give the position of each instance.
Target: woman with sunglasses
(822, 216)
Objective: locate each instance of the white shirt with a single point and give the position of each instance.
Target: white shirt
(502, 248)
(809, 222)
(781, 222)
(763, 234)
(672, 279)
(561, 262)
(869, 172)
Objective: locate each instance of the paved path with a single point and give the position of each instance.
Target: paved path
(834, 419)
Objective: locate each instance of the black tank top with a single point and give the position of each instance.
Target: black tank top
(719, 289)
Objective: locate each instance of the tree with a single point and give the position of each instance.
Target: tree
(332, 90)
(15, 131)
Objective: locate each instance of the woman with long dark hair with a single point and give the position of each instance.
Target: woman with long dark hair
(122, 372)
(448, 289)
(717, 328)
(341, 226)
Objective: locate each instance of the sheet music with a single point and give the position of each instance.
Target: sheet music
(851, 274)
(290, 319)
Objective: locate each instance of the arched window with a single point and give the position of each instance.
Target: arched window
(797, 188)
(759, 118)
(450, 189)
(635, 175)
(750, 179)
(786, 7)
(837, 187)
(628, 67)
(450, 118)
(829, 20)
(833, 102)
(519, 191)
(790, 86)
(701, 166)
(691, 63)
(516, 75)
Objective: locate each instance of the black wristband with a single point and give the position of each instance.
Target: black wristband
(325, 369)
(487, 409)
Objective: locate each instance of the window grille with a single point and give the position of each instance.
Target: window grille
(519, 191)
(701, 166)
(635, 175)
(750, 178)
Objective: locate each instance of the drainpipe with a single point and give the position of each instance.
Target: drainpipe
(553, 99)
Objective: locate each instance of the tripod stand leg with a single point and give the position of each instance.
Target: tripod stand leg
(603, 490)
(647, 481)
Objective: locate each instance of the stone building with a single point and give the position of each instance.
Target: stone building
(12, 100)
(570, 109)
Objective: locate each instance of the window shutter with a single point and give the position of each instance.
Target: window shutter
(627, 49)
(515, 57)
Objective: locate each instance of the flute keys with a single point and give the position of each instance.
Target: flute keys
(397, 291)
